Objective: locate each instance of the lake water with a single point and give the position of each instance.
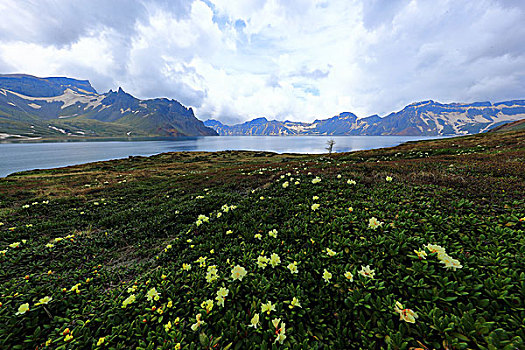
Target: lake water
(16, 157)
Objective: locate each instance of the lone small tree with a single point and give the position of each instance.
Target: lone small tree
(330, 145)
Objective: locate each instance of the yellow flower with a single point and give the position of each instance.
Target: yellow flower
(128, 300)
(281, 336)
(167, 326)
(373, 223)
(152, 294)
(273, 233)
(229, 232)
(327, 276)
(238, 272)
(177, 346)
(350, 209)
(44, 300)
(315, 198)
(211, 275)
(367, 272)
(351, 182)
(316, 180)
(202, 261)
(449, 261)
(293, 267)
(22, 309)
(434, 248)
(285, 184)
(75, 288)
(254, 321)
(14, 245)
(268, 307)
(275, 260)
(3, 252)
(208, 305)
(295, 302)
(349, 276)
(101, 341)
(421, 254)
(258, 236)
(163, 276)
(48, 342)
(203, 218)
(186, 267)
(197, 324)
(68, 338)
(388, 178)
(262, 261)
(276, 322)
(170, 304)
(223, 292)
(330, 252)
(315, 206)
(407, 315)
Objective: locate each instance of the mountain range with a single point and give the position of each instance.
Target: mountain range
(32, 107)
(427, 118)
(60, 107)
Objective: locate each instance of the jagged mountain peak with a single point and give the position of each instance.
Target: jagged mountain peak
(58, 101)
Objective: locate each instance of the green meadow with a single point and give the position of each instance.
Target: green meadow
(419, 246)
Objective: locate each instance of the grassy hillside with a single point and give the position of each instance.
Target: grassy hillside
(512, 126)
(155, 252)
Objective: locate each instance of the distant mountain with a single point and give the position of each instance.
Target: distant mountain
(50, 107)
(428, 118)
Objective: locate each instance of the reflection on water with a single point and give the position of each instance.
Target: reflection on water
(16, 157)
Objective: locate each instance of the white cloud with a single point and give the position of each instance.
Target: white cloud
(284, 59)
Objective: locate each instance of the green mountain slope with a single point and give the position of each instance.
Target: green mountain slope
(64, 107)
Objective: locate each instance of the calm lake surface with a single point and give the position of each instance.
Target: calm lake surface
(16, 157)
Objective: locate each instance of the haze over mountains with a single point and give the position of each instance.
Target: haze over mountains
(428, 118)
(32, 107)
(65, 107)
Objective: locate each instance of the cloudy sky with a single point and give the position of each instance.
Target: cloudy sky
(283, 59)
